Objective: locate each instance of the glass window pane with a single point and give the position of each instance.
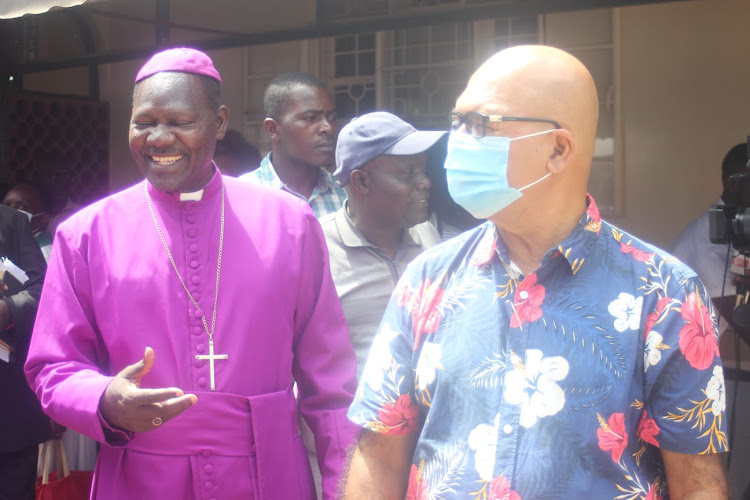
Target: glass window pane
(345, 65)
(366, 42)
(366, 63)
(345, 43)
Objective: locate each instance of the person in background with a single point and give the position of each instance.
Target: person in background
(546, 353)
(380, 161)
(23, 425)
(235, 156)
(177, 353)
(301, 125)
(709, 260)
(32, 201)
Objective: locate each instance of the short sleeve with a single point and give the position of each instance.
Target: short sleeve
(384, 401)
(684, 380)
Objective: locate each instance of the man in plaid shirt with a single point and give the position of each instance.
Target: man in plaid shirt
(300, 122)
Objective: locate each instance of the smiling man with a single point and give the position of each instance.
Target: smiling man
(380, 161)
(173, 318)
(301, 125)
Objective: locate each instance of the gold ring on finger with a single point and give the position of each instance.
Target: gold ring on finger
(157, 421)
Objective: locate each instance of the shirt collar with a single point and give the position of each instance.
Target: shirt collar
(325, 183)
(573, 249)
(210, 189)
(352, 237)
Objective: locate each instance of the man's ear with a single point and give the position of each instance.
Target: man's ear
(272, 127)
(563, 146)
(359, 180)
(222, 121)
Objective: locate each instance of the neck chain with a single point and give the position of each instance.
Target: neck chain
(210, 332)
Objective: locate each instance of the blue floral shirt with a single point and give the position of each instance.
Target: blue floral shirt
(560, 384)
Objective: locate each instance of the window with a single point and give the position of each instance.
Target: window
(354, 70)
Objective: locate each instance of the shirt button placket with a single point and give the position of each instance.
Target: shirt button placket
(193, 281)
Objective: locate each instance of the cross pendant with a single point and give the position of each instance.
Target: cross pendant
(211, 357)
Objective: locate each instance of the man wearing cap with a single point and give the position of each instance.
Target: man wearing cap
(380, 161)
(301, 125)
(177, 353)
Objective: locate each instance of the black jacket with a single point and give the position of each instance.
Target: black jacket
(22, 422)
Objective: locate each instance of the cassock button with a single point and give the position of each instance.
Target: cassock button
(208, 469)
(202, 382)
(197, 296)
(188, 206)
(193, 264)
(507, 428)
(524, 295)
(198, 313)
(209, 485)
(196, 279)
(190, 219)
(198, 363)
(200, 348)
(197, 330)
(206, 453)
(192, 232)
(193, 247)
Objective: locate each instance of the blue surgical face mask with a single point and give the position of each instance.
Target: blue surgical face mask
(477, 172)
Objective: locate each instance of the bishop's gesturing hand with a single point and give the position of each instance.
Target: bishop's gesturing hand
(126, 406)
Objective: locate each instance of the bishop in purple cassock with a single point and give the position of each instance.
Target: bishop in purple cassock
(176, 314)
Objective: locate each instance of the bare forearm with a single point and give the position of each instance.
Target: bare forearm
(379, 468)
(375, 479)
(695, 477)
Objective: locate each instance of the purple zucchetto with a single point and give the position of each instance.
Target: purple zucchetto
(182, 59)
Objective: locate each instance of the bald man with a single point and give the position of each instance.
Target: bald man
(545, 354)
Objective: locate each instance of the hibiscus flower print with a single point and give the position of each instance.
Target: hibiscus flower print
(612, 435)
(425, 309)
(638, 254)
(653, 494)
(399, 417)
(418, 489)
(483, 440)
(533, 386)
(698, 342)
(652, 318)
(526, 301)
(652, 349)
(715, 392)
(647, 429)
(428, 364)
(402, 293)
(500, 490)
(379, 358)
(627, 312)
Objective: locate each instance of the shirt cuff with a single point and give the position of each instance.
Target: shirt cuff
(114, 436)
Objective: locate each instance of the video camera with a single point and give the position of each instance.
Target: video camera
(731, 223)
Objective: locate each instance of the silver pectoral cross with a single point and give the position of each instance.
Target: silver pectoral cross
(211, 357)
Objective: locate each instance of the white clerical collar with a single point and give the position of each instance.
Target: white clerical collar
(194, 196)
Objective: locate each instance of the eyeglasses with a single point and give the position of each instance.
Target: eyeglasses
(476, 123)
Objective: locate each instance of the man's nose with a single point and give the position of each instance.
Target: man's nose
(327, 125)
(423, 182)
(160, 134)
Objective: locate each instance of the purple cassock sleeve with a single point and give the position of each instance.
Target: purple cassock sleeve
(66, 351)
(324, 361)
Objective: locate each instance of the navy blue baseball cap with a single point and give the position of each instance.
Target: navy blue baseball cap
(379, 133)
